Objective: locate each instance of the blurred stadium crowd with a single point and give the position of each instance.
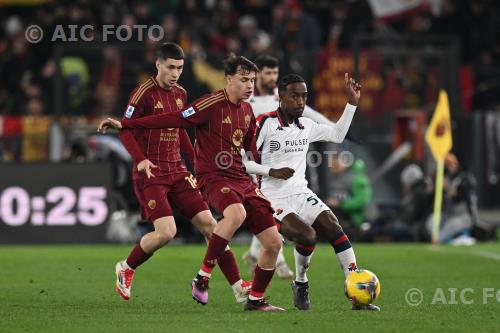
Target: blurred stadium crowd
(292, 30)
(83, 81)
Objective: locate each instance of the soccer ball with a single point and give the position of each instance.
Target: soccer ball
(362, 287)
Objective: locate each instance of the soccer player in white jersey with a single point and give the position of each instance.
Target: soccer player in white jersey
(283, 137)
(266, 99)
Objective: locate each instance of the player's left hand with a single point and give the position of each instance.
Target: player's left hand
(283, 173)
(109, 123)
(353, 89)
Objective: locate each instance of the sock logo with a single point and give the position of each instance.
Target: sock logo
(211, 262)
(152, 204)
(352, 267)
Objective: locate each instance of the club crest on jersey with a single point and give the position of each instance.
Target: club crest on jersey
(179, 103)
(237, 137)
(188, 112)
(129, 112)
(274, 146)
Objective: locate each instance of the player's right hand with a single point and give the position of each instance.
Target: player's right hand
(283, 173)
(146, 166)
(109, 123)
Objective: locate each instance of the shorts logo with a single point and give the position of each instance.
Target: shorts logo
(274, 146)
(129, 112)
(152, 204)
(279, 211)
(179, 103)
(188, 112)
(225, 190)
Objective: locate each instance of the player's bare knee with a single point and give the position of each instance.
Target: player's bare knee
(272, 246)
(164, 237)
(235, 213)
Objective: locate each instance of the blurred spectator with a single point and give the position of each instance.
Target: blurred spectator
(349, 195)
(459, 204)
(108, 87)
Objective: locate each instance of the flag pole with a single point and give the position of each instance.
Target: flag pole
(438, 201)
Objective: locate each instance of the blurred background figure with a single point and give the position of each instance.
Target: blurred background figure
(349, 195)
(459, 205)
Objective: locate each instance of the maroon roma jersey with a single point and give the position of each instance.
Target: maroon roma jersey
(222, 129)
(161, 146)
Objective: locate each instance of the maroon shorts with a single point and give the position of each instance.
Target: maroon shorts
(222, 192)
(156, 195)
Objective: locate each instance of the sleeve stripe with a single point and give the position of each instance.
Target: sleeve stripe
(212, 102)
(138, 94)
(209, 99)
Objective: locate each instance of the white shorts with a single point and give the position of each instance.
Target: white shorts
(306, 205)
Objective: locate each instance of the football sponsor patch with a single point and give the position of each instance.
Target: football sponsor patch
(129, 112)
(188, 112)
(274, 146)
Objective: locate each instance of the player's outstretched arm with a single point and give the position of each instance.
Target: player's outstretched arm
(186, 118)
(252, 167)
(353, 93)
(337, 132)
(316, 116)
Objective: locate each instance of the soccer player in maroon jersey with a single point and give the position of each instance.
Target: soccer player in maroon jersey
(224, 125)
(160, 175)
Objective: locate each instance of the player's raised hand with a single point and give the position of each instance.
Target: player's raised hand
(109, 123)
(146, 166)
(353, 89)
(283, 173)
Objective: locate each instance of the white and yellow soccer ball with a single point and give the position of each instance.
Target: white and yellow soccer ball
(362, 287)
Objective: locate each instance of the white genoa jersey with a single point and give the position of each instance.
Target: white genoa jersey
(283, 146)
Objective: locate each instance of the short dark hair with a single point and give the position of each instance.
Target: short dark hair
(169, 50)
(288, 79)
(266, 61)
(233, 62)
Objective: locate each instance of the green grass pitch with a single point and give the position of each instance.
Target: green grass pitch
(71, 289)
